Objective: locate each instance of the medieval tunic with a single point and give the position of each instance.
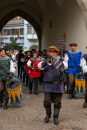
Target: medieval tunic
(71, 65)
(7, 65)
(34, 73)
(54, 72)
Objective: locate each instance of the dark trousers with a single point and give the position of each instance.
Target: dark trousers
(41, 78)
(20, 70)
(35, 81)
(86, 90)
(50, 98)
(71, 85)
(26, 74)
(3, 89)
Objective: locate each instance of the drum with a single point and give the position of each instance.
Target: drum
(14, 91)
(80, 83)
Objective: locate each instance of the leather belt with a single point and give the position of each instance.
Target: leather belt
(4, 75)
(73, 67)
(54, 82)
(34, 70)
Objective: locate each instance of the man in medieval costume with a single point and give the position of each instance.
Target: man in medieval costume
(6, 72)
(53, 70)
(73, 58)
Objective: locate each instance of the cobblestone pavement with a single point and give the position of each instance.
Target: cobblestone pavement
(29, 115)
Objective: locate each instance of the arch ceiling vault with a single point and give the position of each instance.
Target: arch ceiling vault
(83, 6)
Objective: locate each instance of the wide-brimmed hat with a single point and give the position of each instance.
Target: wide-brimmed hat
(73, 44)
(53, 48)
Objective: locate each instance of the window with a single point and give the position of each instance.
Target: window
(34, 32)
(21, 31)
(4, 32)
(18, 17)
(13, 32)
(13, 19)
(29, 29)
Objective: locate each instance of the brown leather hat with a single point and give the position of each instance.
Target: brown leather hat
(53, 48)
(73, 44)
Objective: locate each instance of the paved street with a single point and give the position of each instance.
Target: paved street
(29, 115)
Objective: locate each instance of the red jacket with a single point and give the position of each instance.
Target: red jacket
(34, 73)
(26, 67)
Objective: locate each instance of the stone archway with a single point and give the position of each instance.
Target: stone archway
(26, 16)
(83, 6)
(33, 46)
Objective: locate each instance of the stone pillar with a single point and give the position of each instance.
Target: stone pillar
(40, 43)
(0, 39)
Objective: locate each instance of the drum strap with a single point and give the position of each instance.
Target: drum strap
(4, 71)
(74, 63)
(73, 67)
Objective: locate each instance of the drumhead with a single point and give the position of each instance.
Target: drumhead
(79, 77)
(13, 85)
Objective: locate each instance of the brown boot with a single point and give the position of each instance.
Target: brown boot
(70, 94)
(56, 115)
(5, 103)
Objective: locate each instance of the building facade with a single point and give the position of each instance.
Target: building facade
(30, 37)
(22, 32)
